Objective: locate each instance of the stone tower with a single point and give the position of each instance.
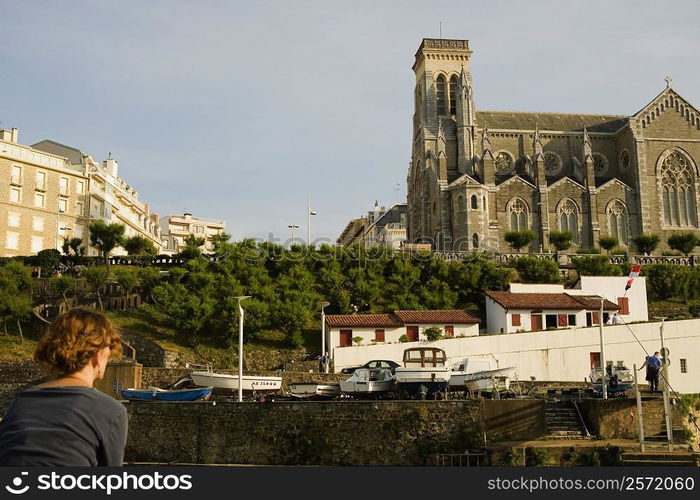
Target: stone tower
(444, 132)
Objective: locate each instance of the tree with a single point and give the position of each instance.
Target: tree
(668, 280)
(127, 279)
(15, 290)
(533, 270)
(18, 307)
(49, 260)
(519, 239)
(595, 265)
(149, 278)
(561, 239)
(433, 333)
(191, 249)
(139, 245)
(684, 242)
(62, 285)
(73, 244)
(106, 237)
(96, 277)
(219, 240)
(608, 242)
(646, 243)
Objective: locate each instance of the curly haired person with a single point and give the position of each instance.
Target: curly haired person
(65, 421)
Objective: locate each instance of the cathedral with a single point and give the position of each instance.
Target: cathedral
(476, 175)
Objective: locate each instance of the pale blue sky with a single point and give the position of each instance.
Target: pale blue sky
(237, 109)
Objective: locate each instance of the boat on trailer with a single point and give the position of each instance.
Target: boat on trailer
(368, 382)
(311, 390)
(620, 380)
(156, 394)
(479, 375)
(251, 383)
(425, 371)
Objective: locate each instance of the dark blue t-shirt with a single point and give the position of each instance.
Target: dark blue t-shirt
(653, 362)
(63, 426)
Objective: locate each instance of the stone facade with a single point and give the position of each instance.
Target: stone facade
(476, 175)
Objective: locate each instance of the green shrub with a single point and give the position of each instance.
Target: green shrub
(684, 242)
(608, 242)
(618, 251)
(534, 270)
(561, 239)
(403, 338)
(595, 265)
(519, 239)
(646, 243)
(433, 333)
(588, 251)
(357, 340)
(672, 253)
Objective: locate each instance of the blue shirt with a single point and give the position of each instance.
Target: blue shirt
(653, 362)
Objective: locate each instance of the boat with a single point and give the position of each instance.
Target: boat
(368, 382)
(311, 390)
(251, 383)
(620, 379)
(479, 375)
(156, 394)
(425, 371)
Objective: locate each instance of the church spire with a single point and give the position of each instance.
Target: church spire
(587, 147)
(536, 141)
(486, 141)
(465, 88)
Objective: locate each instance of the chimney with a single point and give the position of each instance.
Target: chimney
(111, 165)
(15, 134)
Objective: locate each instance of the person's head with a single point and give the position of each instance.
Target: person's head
(78, 339)
(656, 353)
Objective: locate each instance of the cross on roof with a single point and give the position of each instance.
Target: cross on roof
(668, 81)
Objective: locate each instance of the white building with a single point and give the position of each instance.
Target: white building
(388, 328)
(532, 307)
(175, 228)
(109, 197)
(565, 355)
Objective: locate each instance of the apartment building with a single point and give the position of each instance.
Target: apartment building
(43, 198)
(110, 198)
(175, 228)
(381, 227)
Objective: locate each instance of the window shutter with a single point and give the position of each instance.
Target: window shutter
(595, 318)
(516, 319)
(563, 320)
(624, 303)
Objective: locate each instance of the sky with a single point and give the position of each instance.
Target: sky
(238, 110)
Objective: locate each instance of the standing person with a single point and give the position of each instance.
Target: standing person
(65, 421)
(324, 362)
(653, 365)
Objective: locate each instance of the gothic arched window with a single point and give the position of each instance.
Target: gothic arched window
(453, 95)
(568, 218)
(677, 182)
(461, 206)
(475, 203)
(440, 94)
(617, 221)
(518, 215)
(475, 240)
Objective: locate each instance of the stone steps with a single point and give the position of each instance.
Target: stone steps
(562, 422)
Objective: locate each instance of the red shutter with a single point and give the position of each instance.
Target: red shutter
(563, 320)
(412, 333)
(345, 338)
(449, 331)
(624, 303)
(536, 322)
(516, 319)
(595, 318)
(379, 335)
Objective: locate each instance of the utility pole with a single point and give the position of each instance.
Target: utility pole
(602, 351)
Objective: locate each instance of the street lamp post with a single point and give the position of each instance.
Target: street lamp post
(323, 304)
(293, 227)
(240, 346)
(308, 226)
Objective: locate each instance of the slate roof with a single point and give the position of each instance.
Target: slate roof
(563, 301)
(514, 120)
(446, 316)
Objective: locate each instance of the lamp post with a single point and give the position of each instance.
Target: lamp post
(323, 304)
(602, 351)
(308, 226)
(240, 346)
(293, 227)
(665, 387)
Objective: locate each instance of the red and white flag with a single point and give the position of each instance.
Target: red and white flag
(634, 272)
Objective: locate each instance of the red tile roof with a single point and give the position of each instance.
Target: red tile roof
(439, 316)
(562, 301)
(362, 320)
(592, 303)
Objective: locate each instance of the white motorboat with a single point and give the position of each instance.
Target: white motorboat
(425, 371)
(251, 383)
(479, 374)
(368, 381)
(311, 390)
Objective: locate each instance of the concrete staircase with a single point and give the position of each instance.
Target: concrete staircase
(562, 421)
